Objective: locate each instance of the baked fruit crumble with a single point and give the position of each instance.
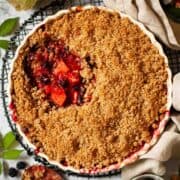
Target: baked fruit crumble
(55, 70)
(89, 88)
(39, 172)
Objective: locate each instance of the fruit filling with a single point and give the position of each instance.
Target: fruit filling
(56, 70)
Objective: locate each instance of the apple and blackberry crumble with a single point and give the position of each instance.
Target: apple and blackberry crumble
(89, 88)
(37, 172)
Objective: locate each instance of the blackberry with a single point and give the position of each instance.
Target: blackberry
(21, 165)
(45, 79)
(12, 172)
(76, 88)
(47, 65)
(63, 83)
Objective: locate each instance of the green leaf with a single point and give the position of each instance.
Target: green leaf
(0, 167)
(1, 143)
(7, 27)
(11, 154)
(174, 11)
(8, 140)
(4, 44)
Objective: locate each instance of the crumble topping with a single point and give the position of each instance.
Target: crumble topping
(121, 70)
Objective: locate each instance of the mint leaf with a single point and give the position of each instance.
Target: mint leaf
(0, 167)
(8, 140)
(11, 154)
(7, 27)
(4, 44)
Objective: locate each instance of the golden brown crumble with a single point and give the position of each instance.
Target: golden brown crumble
(129, 94)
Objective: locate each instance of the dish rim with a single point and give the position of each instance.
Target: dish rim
(135, 156)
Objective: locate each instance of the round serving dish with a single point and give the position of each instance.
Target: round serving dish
(156, 134)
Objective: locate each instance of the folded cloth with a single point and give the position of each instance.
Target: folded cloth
(141, 167)
(151, 14)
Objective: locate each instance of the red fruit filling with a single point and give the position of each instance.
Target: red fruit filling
(56, 70)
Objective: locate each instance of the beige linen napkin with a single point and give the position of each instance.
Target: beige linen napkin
(150, 13)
